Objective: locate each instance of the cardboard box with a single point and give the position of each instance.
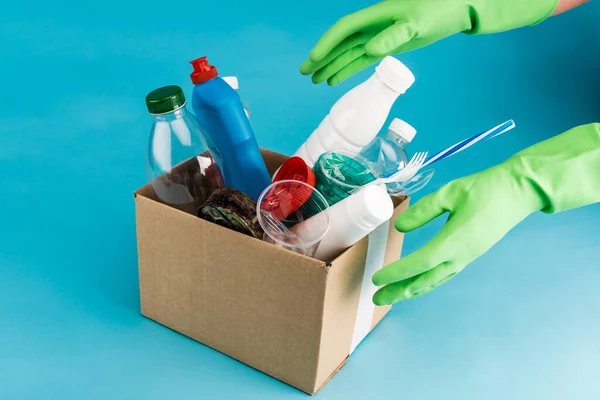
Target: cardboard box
(287, 315)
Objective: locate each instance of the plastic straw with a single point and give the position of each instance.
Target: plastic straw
(465, 144)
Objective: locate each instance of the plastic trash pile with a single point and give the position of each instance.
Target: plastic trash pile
(334, 191)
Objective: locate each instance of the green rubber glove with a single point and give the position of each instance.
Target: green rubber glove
(395, 26)
(558, 174)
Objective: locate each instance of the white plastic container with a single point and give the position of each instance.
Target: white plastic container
(235, 85)
(354, 218)
(358, 116)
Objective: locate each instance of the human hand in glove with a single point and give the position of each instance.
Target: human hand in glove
(395, 26)
(558, 174)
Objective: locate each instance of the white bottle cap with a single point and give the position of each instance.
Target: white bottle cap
(395, 74)
(403, 129)
(370, 207)
(232, 81)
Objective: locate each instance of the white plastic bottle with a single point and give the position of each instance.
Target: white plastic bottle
(387, 152)
(358, 116)
(235, 85)
(354, 218)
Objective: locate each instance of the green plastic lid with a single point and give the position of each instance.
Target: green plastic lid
(165, 100)
(339, 175)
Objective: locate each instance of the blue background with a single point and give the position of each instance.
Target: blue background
(522, 322)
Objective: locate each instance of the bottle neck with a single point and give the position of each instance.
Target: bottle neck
(382, 87)
(180, 113)
(392, 136)
(394, 74)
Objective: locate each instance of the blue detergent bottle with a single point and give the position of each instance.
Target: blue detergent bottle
(221, 115)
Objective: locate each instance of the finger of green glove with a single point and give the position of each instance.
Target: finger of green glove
(390, 39)
(310, 67)
(349, 25)
(416, 286)
(353, 68)
(423, 211)
(338, 64)
(440, 249)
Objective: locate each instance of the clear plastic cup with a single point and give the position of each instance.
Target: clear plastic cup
(341, 173)
(293, 215)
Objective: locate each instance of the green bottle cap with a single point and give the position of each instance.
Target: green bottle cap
(165, 100)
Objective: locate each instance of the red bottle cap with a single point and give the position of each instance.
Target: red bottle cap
(283, 200)
(287, 199)
(296, 169)
(203, 71)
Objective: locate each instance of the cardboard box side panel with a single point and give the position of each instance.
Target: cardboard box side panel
(246, 298)
(344, 283)
(333, 374)
(147, 296)
(393, 253)
(341, 301)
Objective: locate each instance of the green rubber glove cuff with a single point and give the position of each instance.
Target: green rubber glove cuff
(564, 171)
(503, 15)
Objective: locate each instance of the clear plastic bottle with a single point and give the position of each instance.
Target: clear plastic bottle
(387, 152)
(182, 168)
